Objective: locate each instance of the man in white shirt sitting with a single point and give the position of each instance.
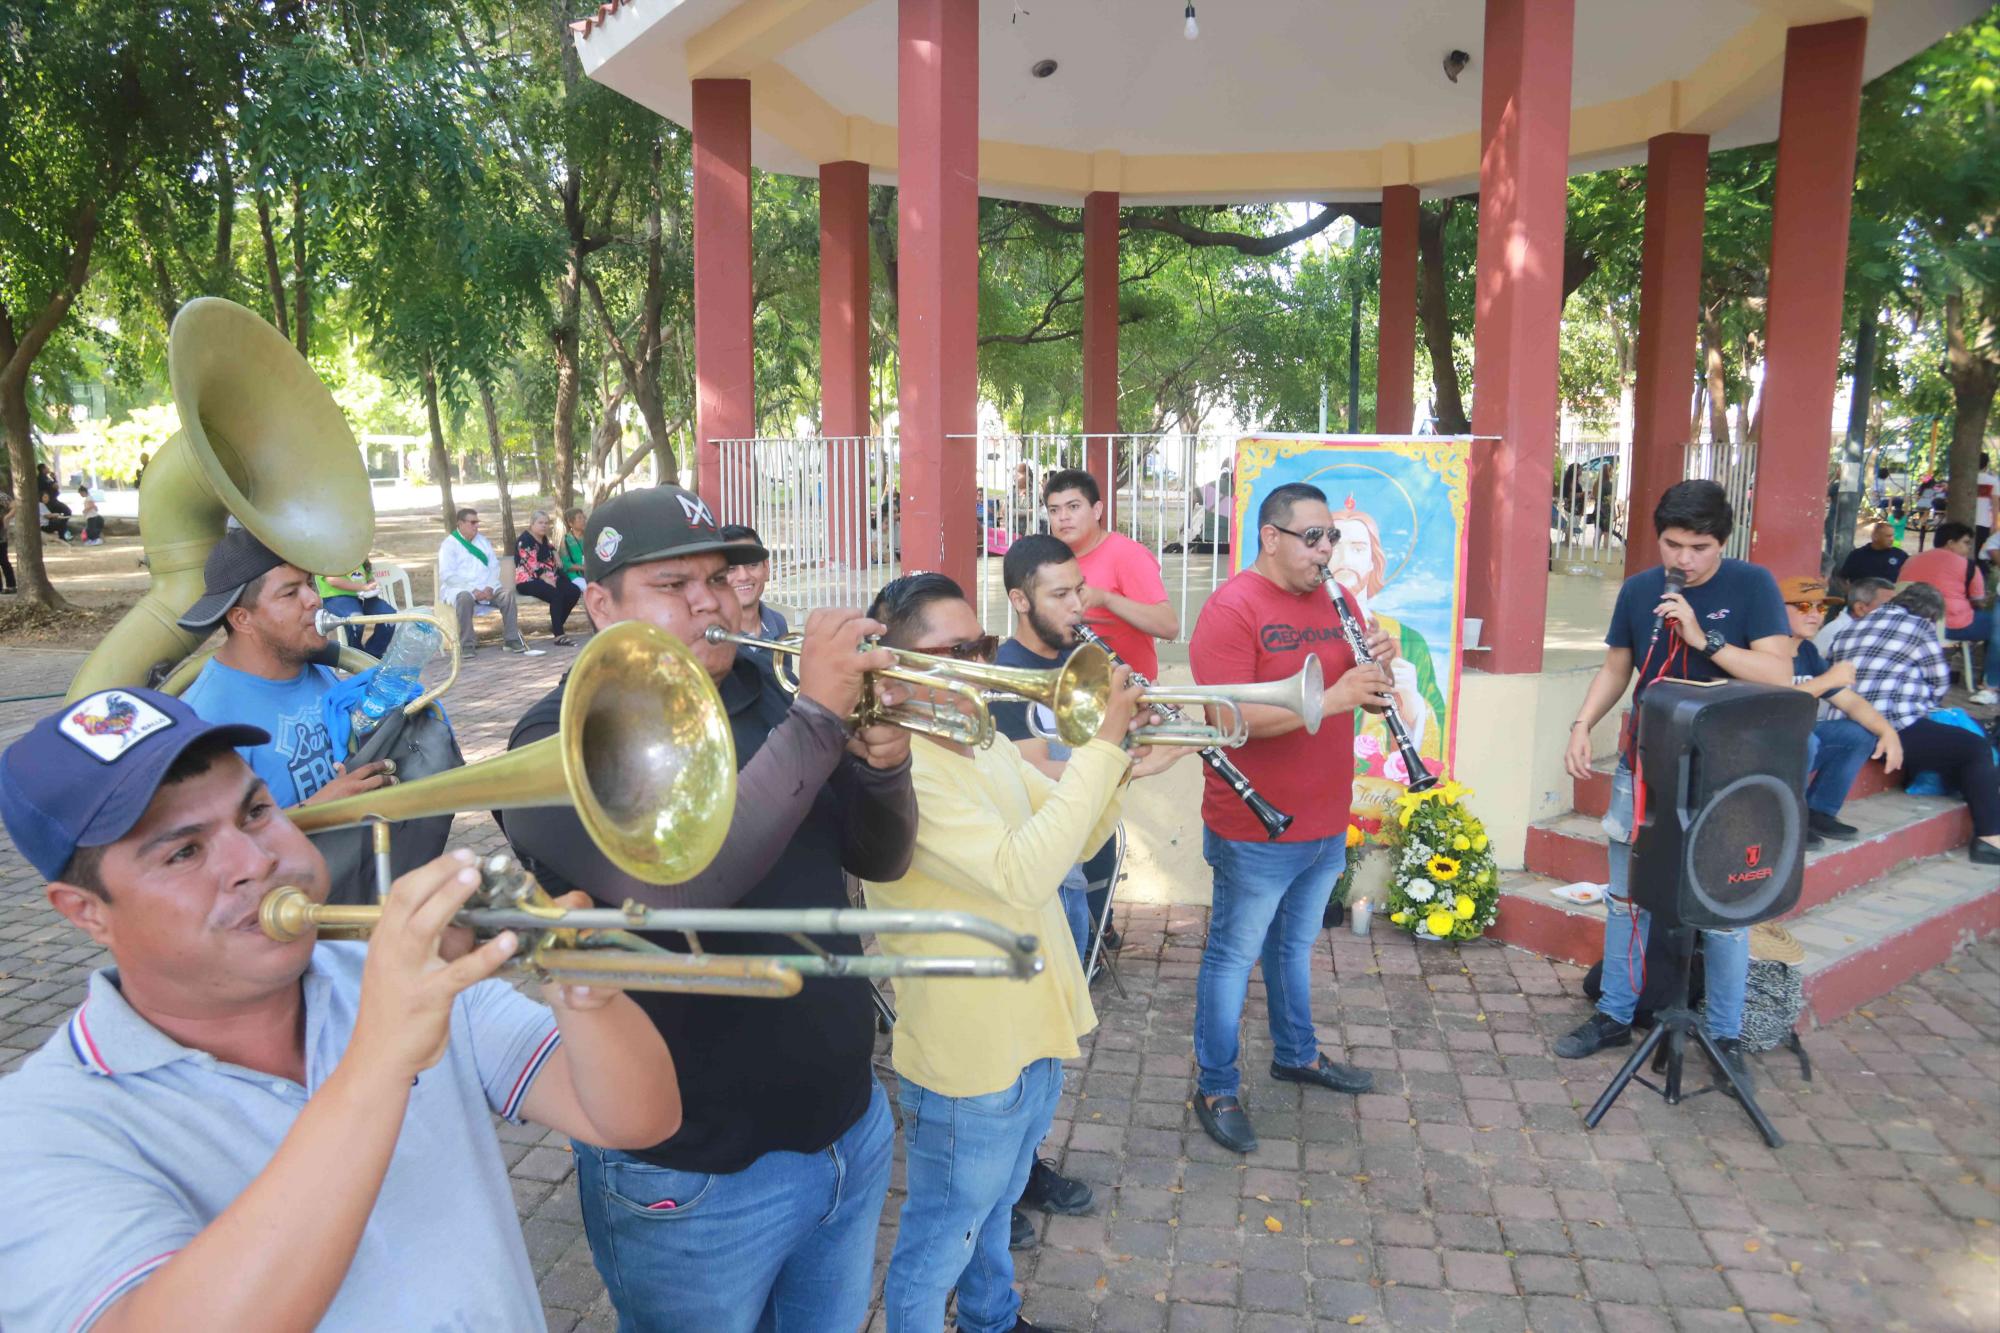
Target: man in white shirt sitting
(469, 574)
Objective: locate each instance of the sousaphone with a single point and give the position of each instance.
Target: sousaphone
(262, 440)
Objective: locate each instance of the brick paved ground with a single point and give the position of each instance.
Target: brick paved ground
(1464, 1193)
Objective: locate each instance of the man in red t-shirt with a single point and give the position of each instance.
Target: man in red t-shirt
(1270, 897)
(1124, 599)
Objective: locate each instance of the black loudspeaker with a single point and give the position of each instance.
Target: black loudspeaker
(1722, 841)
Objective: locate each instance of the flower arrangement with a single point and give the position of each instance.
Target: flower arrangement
(1445, 885)
(1357, 844)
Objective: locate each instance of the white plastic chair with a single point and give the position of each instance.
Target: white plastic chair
(388, 577)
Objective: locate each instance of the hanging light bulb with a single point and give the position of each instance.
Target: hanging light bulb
(1193, 29)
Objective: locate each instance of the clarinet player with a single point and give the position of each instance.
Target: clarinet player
(1270, 896)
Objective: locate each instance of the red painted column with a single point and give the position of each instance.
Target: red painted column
(1818, 119)
(1396, 327)
(724, 386)
(1669, 313)
(1100, 339)
(937, 280)
(1523, 174)
(843, 355)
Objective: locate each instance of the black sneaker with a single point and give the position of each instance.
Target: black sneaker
(1023, 1326)
(1023, 1233)
(1828, 827)
(1326, 1074)
(1593, 1035)
(1738, 1061)
(1050, 1191)
(1814, 838)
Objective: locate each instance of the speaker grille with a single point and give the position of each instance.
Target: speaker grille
(1742, 847)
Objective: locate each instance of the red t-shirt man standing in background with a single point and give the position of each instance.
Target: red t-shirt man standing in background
(1124, 598)
(1270, 897)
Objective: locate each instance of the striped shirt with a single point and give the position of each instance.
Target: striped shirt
(1899, 664)
(118, 1145)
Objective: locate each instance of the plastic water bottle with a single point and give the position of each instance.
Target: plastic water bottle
(396, 681)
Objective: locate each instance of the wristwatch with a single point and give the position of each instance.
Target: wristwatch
(1715, 644)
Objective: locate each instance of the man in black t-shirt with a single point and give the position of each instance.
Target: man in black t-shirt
(1881, 558)
(762, 1211)
(1727, 621)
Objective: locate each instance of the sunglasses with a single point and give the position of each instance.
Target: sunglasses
(971, 650)
(1311, 536)
(1820, 607)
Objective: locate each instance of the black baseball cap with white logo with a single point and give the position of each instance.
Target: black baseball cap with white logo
(232, 564)
(659, 523)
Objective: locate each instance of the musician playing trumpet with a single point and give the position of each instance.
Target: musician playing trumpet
(761, 1211)
(234, 1132)
(1271, 895)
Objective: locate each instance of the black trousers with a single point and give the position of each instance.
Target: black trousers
(6, 565)
(1965, 760)
(560, 595)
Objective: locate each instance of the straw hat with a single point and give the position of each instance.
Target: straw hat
(1773, 943)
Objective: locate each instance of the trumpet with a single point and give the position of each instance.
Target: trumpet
(1302, 693)
(1421, 777)
(967, 724)
(327, 623)
(596, 946)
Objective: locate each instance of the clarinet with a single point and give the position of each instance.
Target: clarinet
(1421, 777)
(1274, 820)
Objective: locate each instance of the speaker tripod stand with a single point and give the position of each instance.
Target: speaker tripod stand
(1672, 1026)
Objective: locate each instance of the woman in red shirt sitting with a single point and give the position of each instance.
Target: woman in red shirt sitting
(536, 575)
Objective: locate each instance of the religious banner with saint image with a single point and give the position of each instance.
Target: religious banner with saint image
(1399, 505)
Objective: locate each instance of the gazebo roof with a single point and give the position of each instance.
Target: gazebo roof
(1276, 99)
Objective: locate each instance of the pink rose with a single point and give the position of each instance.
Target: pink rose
(1395, 770)
(1367, 747)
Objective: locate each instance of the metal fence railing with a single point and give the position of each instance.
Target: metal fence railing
(1588, 521)
(829, 511)
(1734, 466)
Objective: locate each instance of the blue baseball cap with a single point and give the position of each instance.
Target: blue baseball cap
(82, 777)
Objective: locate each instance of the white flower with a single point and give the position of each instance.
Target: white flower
(1421, 890)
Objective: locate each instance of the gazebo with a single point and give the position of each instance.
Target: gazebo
(1275, 100)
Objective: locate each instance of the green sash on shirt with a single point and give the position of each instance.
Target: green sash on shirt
(470, 546)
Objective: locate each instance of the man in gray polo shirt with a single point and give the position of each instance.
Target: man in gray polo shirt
(232, 1132)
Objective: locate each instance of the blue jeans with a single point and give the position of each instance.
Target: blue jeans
(1985, 628)
(1270, 898)
(1076, 910)
(966, 1161)
(1726, 953)
(786, 1245)
(1838, 749)
(378, 635)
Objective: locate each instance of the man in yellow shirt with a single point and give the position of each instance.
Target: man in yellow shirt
(980, 1062)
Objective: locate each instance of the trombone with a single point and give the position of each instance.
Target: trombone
(968, 724)
(596, 946)
(643, 751)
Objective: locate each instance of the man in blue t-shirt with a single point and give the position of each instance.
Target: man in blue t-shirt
(1849, 731)
(1881, 558)
(1727, 620)
(264, 675)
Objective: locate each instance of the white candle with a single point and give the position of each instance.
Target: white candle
(1358, 914)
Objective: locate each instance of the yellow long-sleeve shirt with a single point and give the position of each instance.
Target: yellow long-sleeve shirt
(995, 836)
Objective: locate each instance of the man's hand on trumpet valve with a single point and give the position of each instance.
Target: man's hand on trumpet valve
(831, 664)
(407, 985)
(882, 745)
(1122, 707)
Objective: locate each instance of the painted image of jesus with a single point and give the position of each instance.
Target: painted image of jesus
(1360, 566)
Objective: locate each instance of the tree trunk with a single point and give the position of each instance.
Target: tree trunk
(1973, 377)
(32, 575)
(1434, 314)
(301, 285)
(440, 460)
(565, 335)
(274, 276)
(498, 450)
(1718, 384)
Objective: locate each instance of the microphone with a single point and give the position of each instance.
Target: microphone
(1675, 582)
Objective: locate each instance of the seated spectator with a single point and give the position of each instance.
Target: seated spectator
(1900, 668)
(6, 523)
(1863, 596)
(1849, 733)
(536, 576)
(93, 522)
(468, 573)
(748, 580)
(1881, 558)
(569, 556)
(1949, 568)
(55, 523)
(357, 594)
(49, 492)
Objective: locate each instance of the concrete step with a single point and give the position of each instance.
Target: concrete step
(1860, 945)
(1593, 795)
(1895, 827)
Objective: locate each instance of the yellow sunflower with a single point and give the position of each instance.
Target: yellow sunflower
(1443, 867)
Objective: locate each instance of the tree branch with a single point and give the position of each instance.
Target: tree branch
(1367, 215)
